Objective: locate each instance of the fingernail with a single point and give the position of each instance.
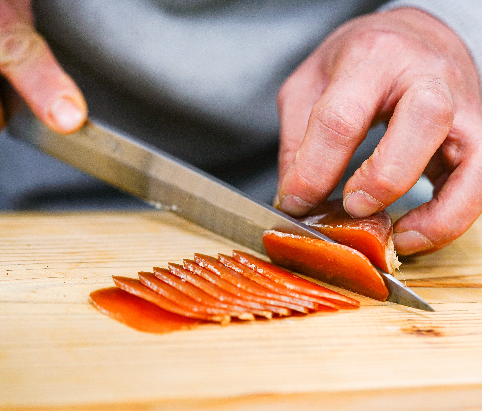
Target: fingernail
(292, 205)
(361, 204)
(410, 242)
(66, 114)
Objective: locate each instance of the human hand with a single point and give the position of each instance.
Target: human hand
(28, 64)
(407, 67)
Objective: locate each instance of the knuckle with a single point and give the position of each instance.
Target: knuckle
(341, 125)
(451, 233)
(446, 224)
(18, 45)
(432, 102)
(446, 67)
(312, 184)
(445, 232)
(309, 179)
(379, 44)
(389, 180)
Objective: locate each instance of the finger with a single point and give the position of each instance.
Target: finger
(421, 121)
(338, 123)
(28, 64)
(296, 99)
(448, 215)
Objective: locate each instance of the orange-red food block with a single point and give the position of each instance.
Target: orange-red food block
(333, 263)
(372, 236)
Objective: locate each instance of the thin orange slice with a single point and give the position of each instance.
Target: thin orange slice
(252, 287)
(292, 281)
(135, 287)
(173, 294)
(320, 303)
(138, 313)
(217, 292)
(266, 304)
(201, 296)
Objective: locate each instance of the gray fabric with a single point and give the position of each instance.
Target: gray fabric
(223, 64)
(220, 65)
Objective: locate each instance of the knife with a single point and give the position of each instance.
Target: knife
(168, 183)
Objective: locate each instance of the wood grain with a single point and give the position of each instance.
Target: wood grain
(58, 352)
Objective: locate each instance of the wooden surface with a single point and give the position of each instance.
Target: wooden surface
(57, 352)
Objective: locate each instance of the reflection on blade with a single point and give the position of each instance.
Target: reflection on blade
(401, 294)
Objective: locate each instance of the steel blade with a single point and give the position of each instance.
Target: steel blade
(401, 294)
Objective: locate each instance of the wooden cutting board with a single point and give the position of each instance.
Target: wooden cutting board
(58, 352)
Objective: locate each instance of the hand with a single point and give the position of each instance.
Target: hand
(29, 66)
(407, 67)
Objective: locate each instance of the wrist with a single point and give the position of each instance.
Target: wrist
(434, 32)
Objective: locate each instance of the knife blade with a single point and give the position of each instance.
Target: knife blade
(168, 183)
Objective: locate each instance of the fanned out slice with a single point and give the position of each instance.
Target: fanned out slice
(139, 313)
(252, 287)
(135, 287)
(217, 292)
(173, 294)
(208, 290)
(231, 288)
(292, 281)
(372, 236)
(201, 296)
(333, 263)
(323, 303)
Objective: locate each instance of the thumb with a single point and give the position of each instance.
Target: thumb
(28, 64)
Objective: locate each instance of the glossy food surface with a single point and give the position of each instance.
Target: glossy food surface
(372, 236)
(293, 282)
(139, 313)
(333, 263)
(206, 290)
